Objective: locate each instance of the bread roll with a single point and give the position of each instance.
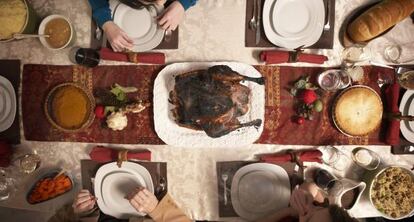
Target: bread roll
(379, 18)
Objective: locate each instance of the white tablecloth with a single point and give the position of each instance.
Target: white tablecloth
(212, 31)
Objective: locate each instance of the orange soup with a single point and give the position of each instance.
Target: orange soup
(59, 32)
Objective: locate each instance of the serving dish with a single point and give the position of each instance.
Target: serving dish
(31, 22)
(49, 186)
(48, 107)
(375, 117)
(173, 134)
(373, 185)
(42, 28)
(344, 39)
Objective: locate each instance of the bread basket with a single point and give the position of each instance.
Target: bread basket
(48, 109)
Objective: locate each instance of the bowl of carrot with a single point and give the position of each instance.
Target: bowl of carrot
(49, 186)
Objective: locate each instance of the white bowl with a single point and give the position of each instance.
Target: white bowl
(42, 31)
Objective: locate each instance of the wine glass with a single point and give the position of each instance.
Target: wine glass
(327, 182)
(354, 54)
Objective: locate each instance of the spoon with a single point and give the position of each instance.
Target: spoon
(24, 36)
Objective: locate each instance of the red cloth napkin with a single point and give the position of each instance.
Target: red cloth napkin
(5, 154)
(276, 56)
(102, 154)
(392, 93)
(297, 156)
(141, 57)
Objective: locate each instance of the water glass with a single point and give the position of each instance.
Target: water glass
(334, 158)
(334, 79)
(84, 56)
(327, 182)
(6, 185)
(354, 54)
(29, 163)
(365, 158)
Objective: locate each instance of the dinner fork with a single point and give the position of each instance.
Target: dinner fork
(327, 25)
(225, 177)
(252, 22)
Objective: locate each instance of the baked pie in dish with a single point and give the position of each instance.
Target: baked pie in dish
(358, 111)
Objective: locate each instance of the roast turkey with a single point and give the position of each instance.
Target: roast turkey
(212, 100)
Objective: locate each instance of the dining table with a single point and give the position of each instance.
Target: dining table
(212, 31)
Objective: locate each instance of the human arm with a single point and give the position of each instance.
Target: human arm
(82, 209)
(100, 11)
(118, 39)
(162, 211)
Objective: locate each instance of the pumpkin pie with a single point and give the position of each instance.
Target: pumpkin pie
(358, 111)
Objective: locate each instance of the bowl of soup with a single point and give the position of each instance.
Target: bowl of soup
(60, 31)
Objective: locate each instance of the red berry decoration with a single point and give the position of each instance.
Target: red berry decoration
(308, 96)
(300, 120)
(100, 112)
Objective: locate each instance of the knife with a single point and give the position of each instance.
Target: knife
(258, 22)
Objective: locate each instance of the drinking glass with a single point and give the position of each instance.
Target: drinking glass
(354, 54)
(327, 182)
(84, 56)
(6, 185)
(398, 53)
(334, 79)
(365, 158)
(334, 158)
(29, 163)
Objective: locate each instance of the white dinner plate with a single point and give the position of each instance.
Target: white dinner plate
(9, 102)
(286, 31)
(406, 102)
(112, 184)
(259, 189)
(292, 19)
(140, 24)
(173, 134)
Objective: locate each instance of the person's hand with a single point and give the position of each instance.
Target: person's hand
(119, 40)
(301, 201)
(83, 202)
(172, 16)
(143, 201)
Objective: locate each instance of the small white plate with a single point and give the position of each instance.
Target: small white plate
(405, 103)
(10, 104)
(259, 189)
(112, 184)
(303, 32)
(140, 24)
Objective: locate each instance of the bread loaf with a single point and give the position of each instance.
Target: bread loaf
(379, 18)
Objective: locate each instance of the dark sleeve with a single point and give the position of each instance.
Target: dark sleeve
(187, 3)
(100, 11)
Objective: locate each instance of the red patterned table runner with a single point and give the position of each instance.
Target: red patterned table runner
(278, 128)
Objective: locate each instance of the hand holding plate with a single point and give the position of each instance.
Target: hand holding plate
(117, 37)
(142, 200)
(84, 202)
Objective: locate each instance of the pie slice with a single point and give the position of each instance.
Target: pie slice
(358, 111)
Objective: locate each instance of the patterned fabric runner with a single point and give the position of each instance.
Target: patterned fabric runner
(279, 128)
